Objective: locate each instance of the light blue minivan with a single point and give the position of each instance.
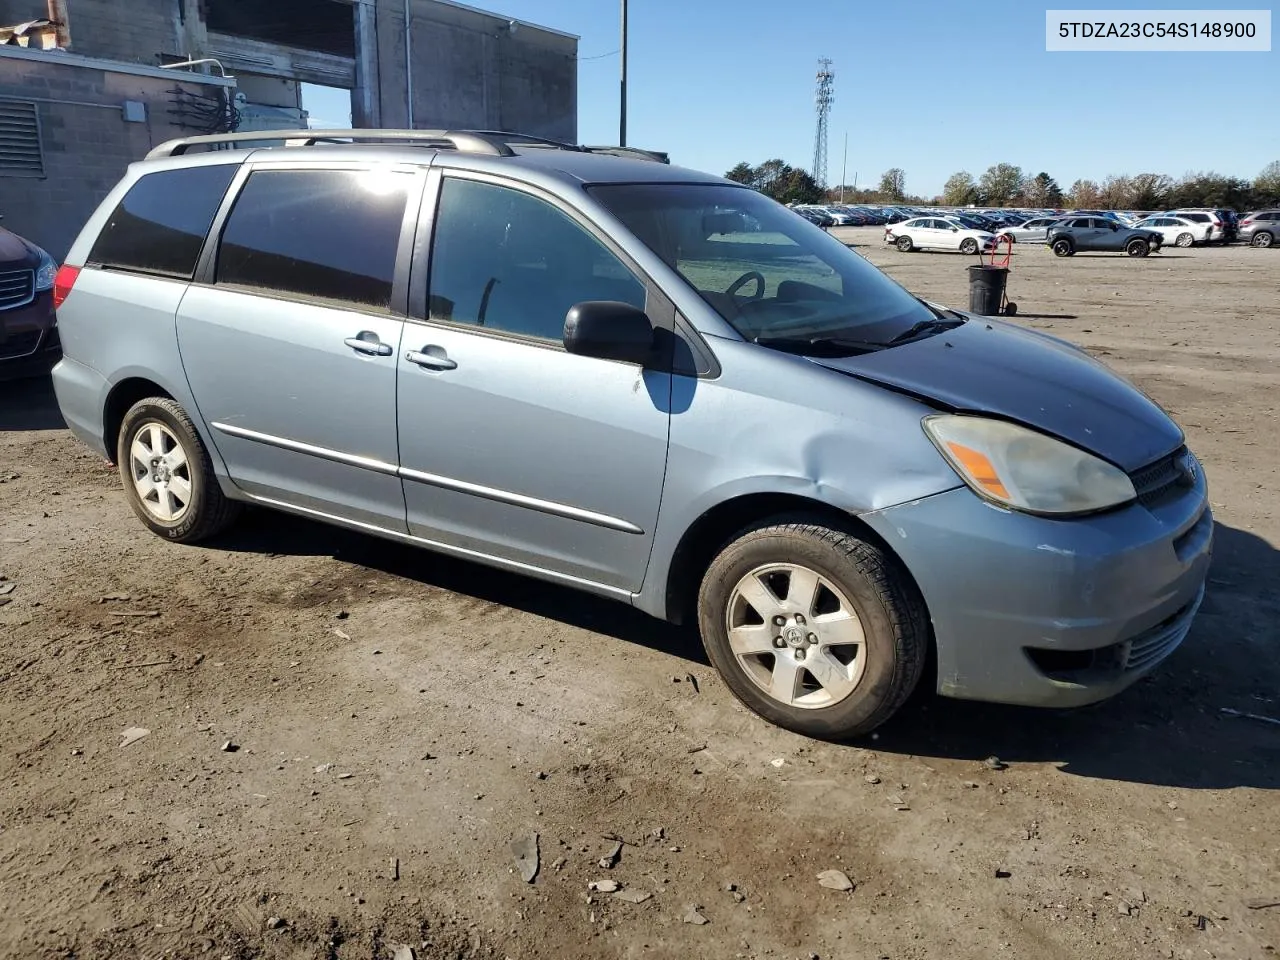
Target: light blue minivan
(593, 367)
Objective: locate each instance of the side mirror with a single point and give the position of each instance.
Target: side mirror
(609, 330)
(955, 229)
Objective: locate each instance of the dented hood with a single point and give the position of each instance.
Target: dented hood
(987, 366)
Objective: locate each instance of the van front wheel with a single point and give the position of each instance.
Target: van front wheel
(813, 628)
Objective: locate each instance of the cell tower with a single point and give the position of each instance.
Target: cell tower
(825, 94)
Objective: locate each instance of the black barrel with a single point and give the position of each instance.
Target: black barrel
(986, 289)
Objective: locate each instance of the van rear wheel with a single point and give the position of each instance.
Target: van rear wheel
(167, 473)
(813, 628)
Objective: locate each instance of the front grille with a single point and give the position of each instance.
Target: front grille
(19, 345)
(1158, 480)
(17, 288)
(1150, 647)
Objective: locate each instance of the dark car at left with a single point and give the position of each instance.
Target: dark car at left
(29, 344)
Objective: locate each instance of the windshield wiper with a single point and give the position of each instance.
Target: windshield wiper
(808, 346)
(934, 324)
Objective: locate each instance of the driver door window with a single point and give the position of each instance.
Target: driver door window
(505, 260)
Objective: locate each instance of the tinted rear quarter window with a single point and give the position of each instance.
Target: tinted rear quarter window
(328, 235)
(160, 225)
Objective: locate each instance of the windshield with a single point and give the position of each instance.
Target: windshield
(767, 272)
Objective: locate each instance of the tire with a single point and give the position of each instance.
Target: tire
(189, 506)
(1137, 248)
(1184, 240)
(969, 246)
(904, 244)
(870, 659)
(1063, 247)
(1262, 238)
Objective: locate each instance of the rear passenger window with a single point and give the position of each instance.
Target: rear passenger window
(505, 260)
(160, 225)
(326, 235)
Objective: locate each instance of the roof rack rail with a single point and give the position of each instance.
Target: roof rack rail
(494, 143)
(457, 140)
(634, 153)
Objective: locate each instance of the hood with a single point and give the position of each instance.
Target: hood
(987, 366)
(13, 250)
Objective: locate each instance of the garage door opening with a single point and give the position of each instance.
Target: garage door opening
(324, 25)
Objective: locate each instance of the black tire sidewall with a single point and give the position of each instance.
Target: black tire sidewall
(1136, 248)
(969, 247)
(878, 689)
(151, 411)
(1061, 248)
(1178, 241)
(904, 244)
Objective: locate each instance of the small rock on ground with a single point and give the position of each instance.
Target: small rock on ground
(133, 735)
(691, 915)
(834, 880)
(632, 896)
(525, 851)
(604, 886)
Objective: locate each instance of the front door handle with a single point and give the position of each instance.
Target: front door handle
(367, 342)
(432, 357)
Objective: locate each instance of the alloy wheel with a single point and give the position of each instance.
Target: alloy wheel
(796, 635)
(161, 472)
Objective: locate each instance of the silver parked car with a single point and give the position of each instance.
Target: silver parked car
(1035, 230)
(1261, 229)
(640, 381)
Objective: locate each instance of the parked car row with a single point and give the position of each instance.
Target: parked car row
(1087, 229)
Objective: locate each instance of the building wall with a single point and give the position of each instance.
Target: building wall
(87, 144)
(470, 69)
(135, 31)
(473, 70)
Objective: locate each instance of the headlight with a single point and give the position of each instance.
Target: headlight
(1019, 468)
(45, 272)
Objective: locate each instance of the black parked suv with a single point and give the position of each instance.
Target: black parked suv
(28, 338)
(1077, 234)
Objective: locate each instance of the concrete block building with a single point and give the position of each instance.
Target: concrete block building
(73, 117)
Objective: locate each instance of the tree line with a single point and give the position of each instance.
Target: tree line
(1006, 185)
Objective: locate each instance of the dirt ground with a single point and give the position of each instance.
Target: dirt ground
(401, 719)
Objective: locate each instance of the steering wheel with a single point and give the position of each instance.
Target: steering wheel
(743, 280)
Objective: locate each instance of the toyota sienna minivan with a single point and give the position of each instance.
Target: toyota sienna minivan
(593, 367)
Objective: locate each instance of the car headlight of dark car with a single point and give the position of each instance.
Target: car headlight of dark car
(46, 270)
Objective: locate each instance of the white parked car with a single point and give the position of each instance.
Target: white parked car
(1178, 231)
(937, 233)
(1217, 230)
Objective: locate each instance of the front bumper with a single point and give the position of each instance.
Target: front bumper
(29, 345)
(1057, 613)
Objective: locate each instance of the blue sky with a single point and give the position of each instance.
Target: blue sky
(932, 86)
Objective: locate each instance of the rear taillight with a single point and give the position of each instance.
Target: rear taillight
(63, 282)
(1245, 223)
